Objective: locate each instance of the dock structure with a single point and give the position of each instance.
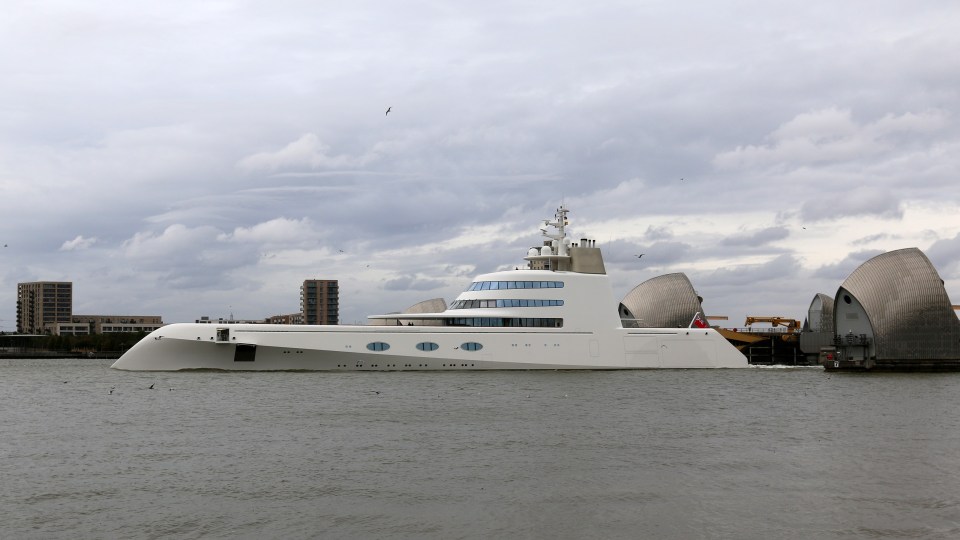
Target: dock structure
(777, 344)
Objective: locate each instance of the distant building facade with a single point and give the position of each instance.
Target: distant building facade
(291, 318)
(220, 320)
(320, 301)
(41, 304)
(46, 307)
(112, 324)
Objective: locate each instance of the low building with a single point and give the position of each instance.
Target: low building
(231, 320)
(113, 324)
(69, 329)
(292, 318)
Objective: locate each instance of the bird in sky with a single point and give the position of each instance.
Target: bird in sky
(640, 256)
(388, 111)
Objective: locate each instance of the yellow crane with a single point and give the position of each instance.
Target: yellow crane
(791, 324)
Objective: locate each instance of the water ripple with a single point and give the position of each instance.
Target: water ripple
(94, 453)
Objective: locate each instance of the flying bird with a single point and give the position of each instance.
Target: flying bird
(640, 256)
(388, 111)
(151, 386)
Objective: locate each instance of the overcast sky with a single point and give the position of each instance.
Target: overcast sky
(191, 158)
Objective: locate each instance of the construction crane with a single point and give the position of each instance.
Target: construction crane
(792, 325)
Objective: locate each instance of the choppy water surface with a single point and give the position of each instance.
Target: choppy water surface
(760, 453)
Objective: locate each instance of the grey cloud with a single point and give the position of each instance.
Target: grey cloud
(211, 134)
(757, 238)
(781, 268)
(831, 135)
(78, 243)
(412, 282)
(840, 270)
(869, 239)
(307, 152)
(659, 254)
(184, 257)
(658, 233)
(944, 254)
(862, 201)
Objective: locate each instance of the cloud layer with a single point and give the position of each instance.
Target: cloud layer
(189, 159)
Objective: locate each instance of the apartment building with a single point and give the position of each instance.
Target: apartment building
(320, 301)
(41, 304)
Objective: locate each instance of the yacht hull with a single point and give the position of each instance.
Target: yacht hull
(250, 347)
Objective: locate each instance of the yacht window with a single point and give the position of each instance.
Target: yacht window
(378, 346)
(504, 303)
(471, 346)
(502, 285)
(514, 322)
(427, 346)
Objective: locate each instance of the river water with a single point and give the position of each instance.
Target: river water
(90, 452)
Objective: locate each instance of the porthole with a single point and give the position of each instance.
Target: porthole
(378, 346)
(846, 298)
(471, 346)
(427, 346)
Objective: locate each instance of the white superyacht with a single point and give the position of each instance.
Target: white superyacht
(558, 312)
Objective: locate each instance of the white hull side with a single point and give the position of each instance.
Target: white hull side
(344, 348)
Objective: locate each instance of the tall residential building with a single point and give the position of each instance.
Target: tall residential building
(43, 304)
(320, 301)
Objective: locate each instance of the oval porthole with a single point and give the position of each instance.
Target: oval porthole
(378, 346)
(846, 298)
(471, 346)
(427, 346)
